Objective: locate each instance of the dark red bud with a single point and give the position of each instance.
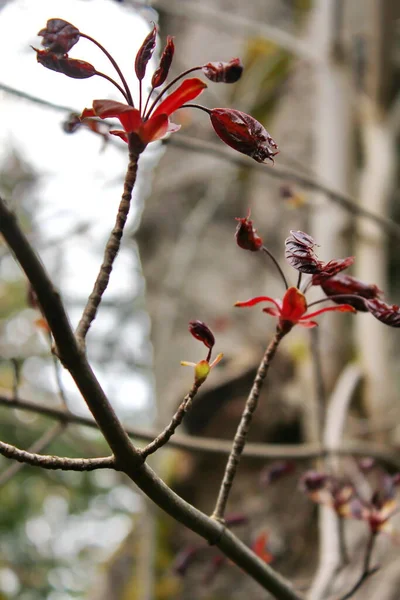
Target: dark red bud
(71, 67)
(313, 481)
(246, 236)
(72, 123)
(243, 133)
(59, 36)
(276, 471)
(389, 314)
(161, 74)
(201, 332)
(184, 559)
(145, 53)
(236, 519)
(299, 252)
(346, 284)
(225, 72)
(332, 268)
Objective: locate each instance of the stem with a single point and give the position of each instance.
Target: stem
(281, 273)
(111, 250)
(337, 297)
(140, 95)
(114, 64)
(244, 427)
(167, 87)
(299, 280)
(367, 571)
(176, 420)
(199, 106)
(344, 555)
(111, 80)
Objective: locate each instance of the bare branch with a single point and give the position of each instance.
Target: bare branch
(239, 440)
(55, 463)
(176, 420)
(386, 455)
(111, 249)
(367, 570)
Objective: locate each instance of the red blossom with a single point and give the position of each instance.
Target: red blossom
(346, 284)
(292, 309)
(259, 548)
(225, 72)
(59, 36)
(329, 490)
(161, 73)
(152, 128)
(243, 133)
(246, 235)
(377, 511)
(71, 67)
(389, 314)
(145, 53)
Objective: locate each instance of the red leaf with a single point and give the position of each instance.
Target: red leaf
(389, 314)
(243, 133)
(299, 252)
(332, 268)
(71, 67)
(246, 236)
(145, 53)
(346, 284)
(202, 332)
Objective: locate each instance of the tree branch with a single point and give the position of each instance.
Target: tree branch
(239, 440)
(386, 455)
(56, 462)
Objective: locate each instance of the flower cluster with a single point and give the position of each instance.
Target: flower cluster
(151, 120)
(203, 333)
(348, 293)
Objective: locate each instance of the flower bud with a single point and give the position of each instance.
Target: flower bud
(225, 72)
(243, 133)
(202, 332)
(161, 73)
(71, 67)
(201, 371)
(246, 235)
(59, 36)
(145, 53)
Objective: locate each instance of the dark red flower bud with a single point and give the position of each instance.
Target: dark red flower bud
(72, 123)
(389, 314)
(332, 268)
(300, 254)
(243, 133)
(225, 72)
(236, 519)
(276, 471)
(161, 73)
(59, 36)
(184, 559)
(71, 67)
(246, 236)
(145, 53)
(201, 332)
(346, 284)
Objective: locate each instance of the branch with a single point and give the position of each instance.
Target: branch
(367, 570)
(127, 457)
(386, 455)
(176, 420)
(56, 462)
(242, 431)
(112, 247)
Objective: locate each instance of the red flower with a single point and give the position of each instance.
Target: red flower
(243, 133)
(292, 309)
(246, 236)
(149, 129)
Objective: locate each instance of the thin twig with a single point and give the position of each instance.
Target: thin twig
(386, 455)
(111, 249)
(367, 570)
(277, 265)
(176, 420)
(239, 440)
(56, 462)
(37, 447)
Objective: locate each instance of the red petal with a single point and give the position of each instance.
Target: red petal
(188, 90)
(294, 305)
(272, 311)
(257, 300)
(339, 308)
(110, 108)
(307, 324)
(87, 112)
(122, 134)
(154, 129)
